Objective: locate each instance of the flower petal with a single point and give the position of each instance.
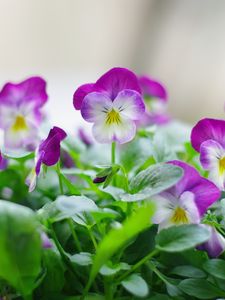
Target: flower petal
(80, 93)
(208, 129)
(187, 201)
(130, 104)
(95, 107)
(30, 90)
(121, 133)
(164, 208)
(116, 80)
(152, 88)
(206, 193)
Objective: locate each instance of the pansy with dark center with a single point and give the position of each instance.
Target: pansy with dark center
(114, 103)
(187, 201)
(48, 153)
(208, 138)
(20, 112)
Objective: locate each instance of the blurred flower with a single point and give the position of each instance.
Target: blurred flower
(67, 160)
(48, 153)
(20, 113)
(216, 243)
(155, 96)
(187, 201)
(113, 104)
(46, 243)
(85, 138)
(3, 162)
(208, 138)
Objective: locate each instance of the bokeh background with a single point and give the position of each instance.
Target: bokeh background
(69, 42)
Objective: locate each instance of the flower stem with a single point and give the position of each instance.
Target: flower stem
(113, 153)
(58, 170)
(74, 235)
(138, 264)
(92, 238)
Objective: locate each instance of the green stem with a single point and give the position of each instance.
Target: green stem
(58, 170)
(126, 187)
(138, 264)
(108, 288)
(28, 297)
(92, 238)
(74, 235)
(113, 153)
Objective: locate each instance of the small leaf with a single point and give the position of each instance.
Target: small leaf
(200, 288)
(109, 269)
(156, 178)
(215, 267)
(118, 237)
(136, 285)
(180, 238)
(188, 271)
(82, 259)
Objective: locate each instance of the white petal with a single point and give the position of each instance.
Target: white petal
(187, 202)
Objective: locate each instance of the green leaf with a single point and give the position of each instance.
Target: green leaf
(200, 288)
(156, 178)
(20, 246)
(188, 271)
(71, 205)
(54, 279)
(82, 259)
(215, 267)
(136, 285)
(109, 269)
(180, 238)
(118, 237)
(72, 189)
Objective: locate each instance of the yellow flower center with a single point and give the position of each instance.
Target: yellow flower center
(179, 216)
(113, 117)
(222, 165)
(19, 124)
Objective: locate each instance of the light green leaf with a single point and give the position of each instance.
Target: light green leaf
(136, 285)
(82, 259)
(20, 246)
(156, 178)
(180, 238)
(188, 271)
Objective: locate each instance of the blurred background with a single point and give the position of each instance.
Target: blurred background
(70, 42)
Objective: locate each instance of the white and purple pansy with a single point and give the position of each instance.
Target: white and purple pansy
(20, 112)
(156, 98)
(48, 153)
(208, 138)
(113, 104)
(187, 201)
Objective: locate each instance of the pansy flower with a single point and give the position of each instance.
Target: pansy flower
(48, 153)
(208, 138)
(113, 104)
(215, 246)
(155, 96)
(187, 201)
(20, 112)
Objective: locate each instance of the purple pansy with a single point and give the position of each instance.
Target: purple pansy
(114, 103)
(48, 153)
(216, 243)
(3, 162)
(208, 138)
(20, 112)
(156, 97)
(187, 201)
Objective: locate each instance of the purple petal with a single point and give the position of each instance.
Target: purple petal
(99, 179)
(216, 243)
(30, 90)
(3, 162)
(95, 106)
(152, 88)
(116, 80)
(85, 138)
(51, 146)
(130, 104)
(210, 153)
(206, 193)
(208, 129)
(80, 93)
(46, 243)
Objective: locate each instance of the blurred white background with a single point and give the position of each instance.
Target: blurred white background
(70, 42)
